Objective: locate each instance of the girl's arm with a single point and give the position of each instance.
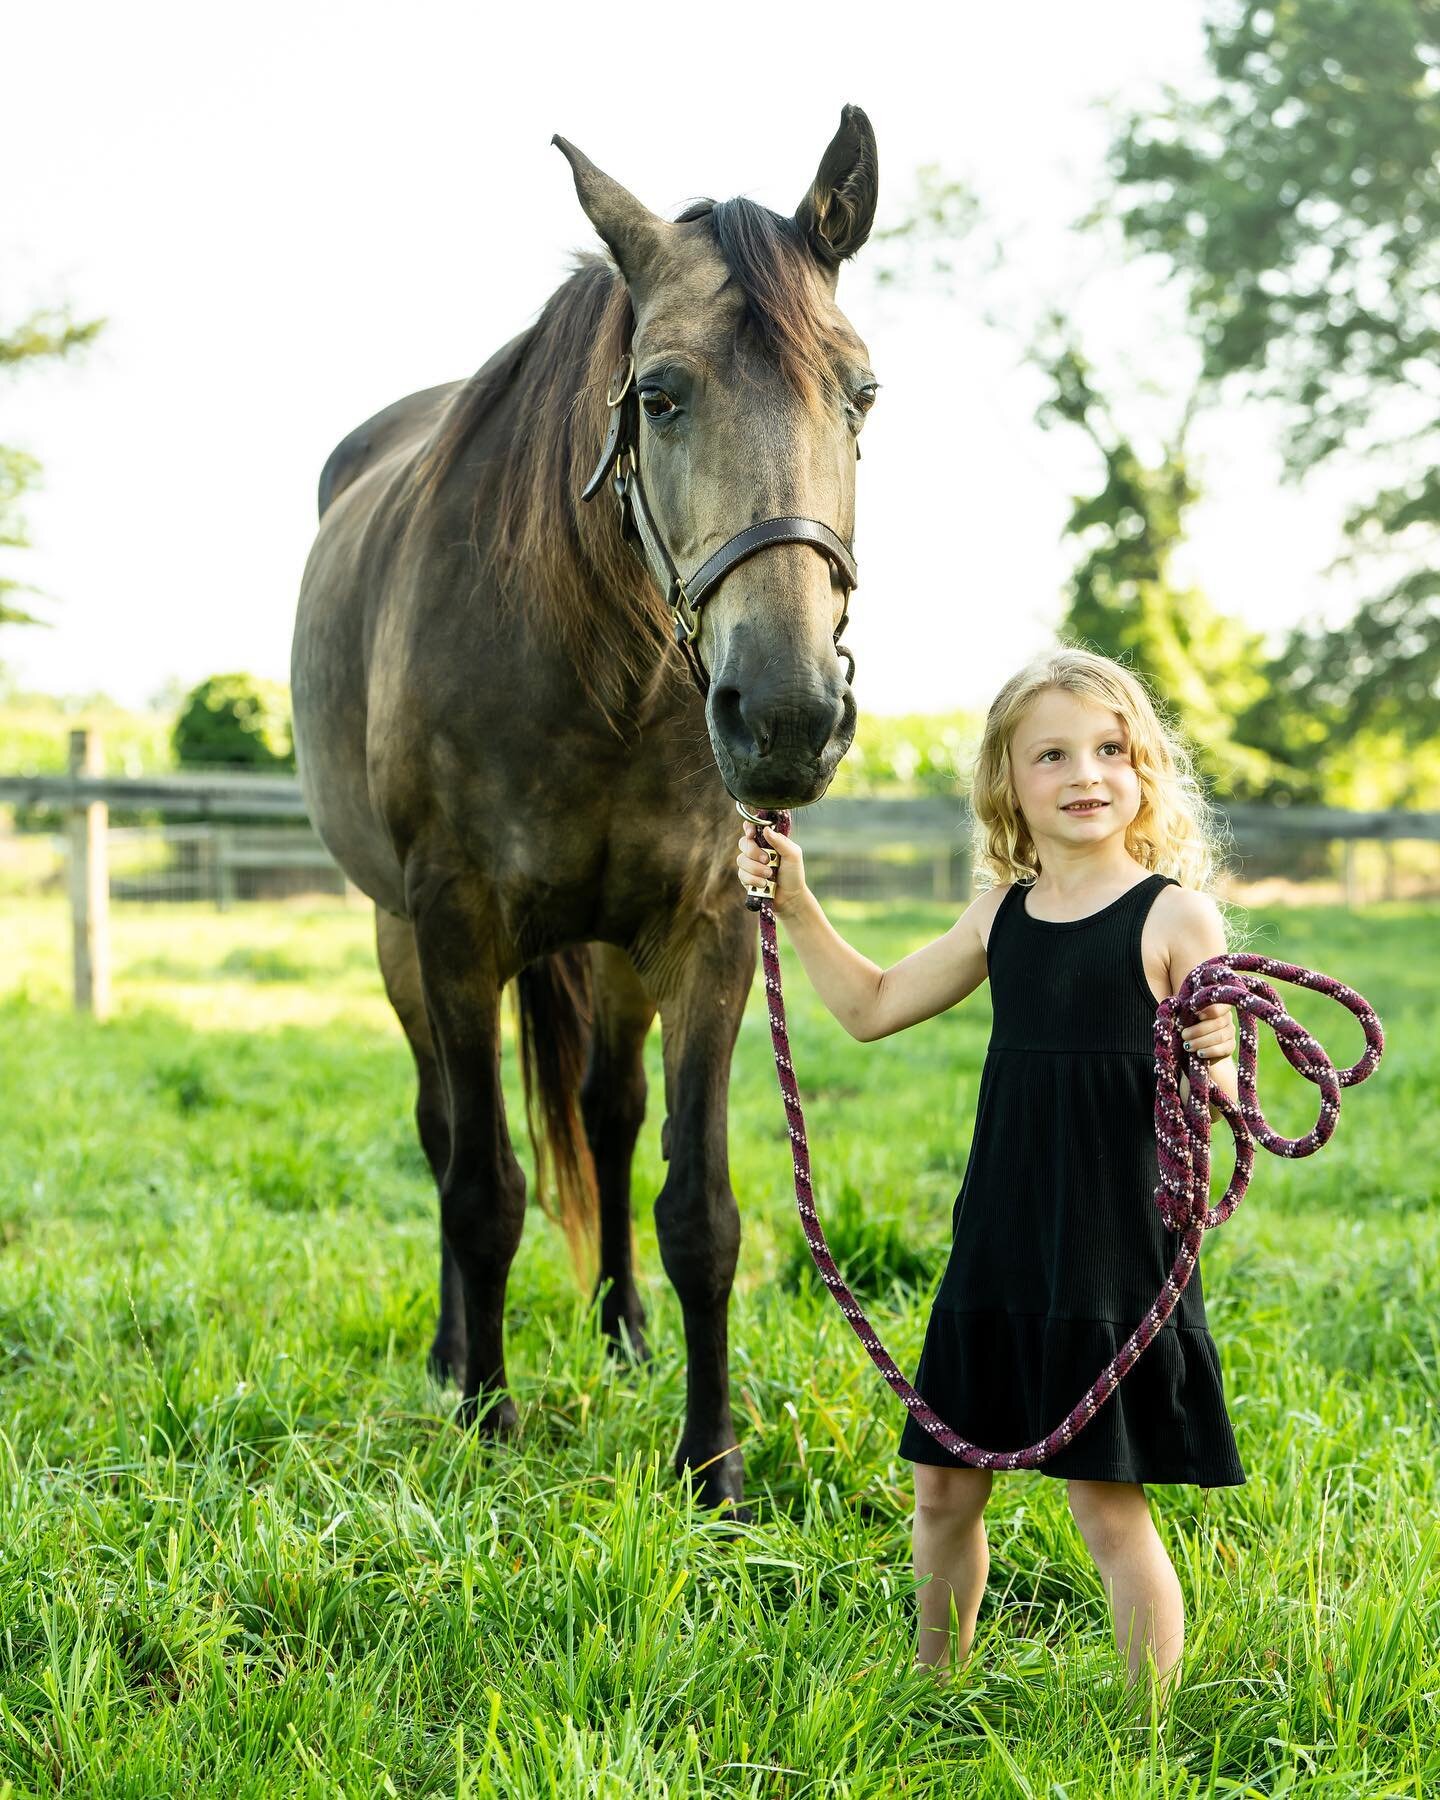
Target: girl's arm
(1195, 931)
(869, 1002)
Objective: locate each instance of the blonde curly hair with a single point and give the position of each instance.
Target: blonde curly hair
(1176, 831)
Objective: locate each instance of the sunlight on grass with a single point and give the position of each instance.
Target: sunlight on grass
(243, 1550)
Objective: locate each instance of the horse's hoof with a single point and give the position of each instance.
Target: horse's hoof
(445, 1362)
(622, 1322)
(730, 1518)
(719, 1486)
(499, 1420)
(625, 1344)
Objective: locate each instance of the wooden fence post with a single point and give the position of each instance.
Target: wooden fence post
(221, 849)
(90, 883)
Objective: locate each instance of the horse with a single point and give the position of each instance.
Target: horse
(522, 732)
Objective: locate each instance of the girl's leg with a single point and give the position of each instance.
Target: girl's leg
(950, 1547)
(1143, 1588)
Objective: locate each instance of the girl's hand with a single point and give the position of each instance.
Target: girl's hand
(1214, 1036)
(788, 873)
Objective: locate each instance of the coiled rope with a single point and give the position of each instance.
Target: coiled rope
(1182, 1135)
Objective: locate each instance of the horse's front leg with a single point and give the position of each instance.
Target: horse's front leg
(697, 1220)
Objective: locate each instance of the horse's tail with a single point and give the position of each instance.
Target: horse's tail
(555, 1010)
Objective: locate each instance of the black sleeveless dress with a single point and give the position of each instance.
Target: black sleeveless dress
(1058, 1249)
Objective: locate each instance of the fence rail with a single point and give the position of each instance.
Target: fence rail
(925, 820)
(215, 795)
(928, 828)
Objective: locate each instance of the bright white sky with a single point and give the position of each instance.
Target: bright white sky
(293, 214)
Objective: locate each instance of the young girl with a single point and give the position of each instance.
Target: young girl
(1097, 838)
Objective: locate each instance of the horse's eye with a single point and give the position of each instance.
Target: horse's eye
(864, 397)
(657, 403)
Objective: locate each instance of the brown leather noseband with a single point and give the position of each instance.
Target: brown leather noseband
(686, 595)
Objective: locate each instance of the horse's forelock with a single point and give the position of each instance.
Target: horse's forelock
(784, 305)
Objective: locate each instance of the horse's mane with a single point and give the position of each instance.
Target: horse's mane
(547, 551)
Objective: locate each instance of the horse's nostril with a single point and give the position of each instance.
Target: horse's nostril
(825, 722)
(730, 721)
(757, 711)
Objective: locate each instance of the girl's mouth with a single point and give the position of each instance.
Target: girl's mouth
(1084, 806)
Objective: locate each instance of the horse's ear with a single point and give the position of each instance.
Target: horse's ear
(836, 215)
(630, 231)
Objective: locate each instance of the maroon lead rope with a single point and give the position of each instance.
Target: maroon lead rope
(1182, 1134)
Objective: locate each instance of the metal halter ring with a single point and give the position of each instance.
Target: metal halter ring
(626, 373)
(761, 888)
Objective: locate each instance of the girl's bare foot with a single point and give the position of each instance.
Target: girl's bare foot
(942, 1674)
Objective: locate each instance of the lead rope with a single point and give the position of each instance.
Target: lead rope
(1182, 1135)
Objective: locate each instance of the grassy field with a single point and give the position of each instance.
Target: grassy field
(243, 1551)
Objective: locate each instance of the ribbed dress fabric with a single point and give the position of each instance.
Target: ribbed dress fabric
(1058, 1250)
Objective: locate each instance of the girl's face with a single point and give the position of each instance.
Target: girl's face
(1067, 749)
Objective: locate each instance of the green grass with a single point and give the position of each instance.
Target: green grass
(243, 1551)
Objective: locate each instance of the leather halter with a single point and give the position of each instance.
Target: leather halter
(686, 595)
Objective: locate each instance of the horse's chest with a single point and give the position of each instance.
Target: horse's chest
(547, 848)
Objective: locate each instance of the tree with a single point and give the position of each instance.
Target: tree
(941, 215)
(1300, 204)
(43, 334)
(1124, 601)
(236, 719)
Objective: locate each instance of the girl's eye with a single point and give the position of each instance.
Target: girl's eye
(1111, 746)
(657, 403)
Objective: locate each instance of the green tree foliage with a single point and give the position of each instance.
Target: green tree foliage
(923, 246)
(924, 753)
(1124, 601)
(1300, 203)
(43, 335)
(236, 719)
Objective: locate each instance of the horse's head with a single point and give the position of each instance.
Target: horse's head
(750, 388)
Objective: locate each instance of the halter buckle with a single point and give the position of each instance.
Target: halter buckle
(686, 616)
